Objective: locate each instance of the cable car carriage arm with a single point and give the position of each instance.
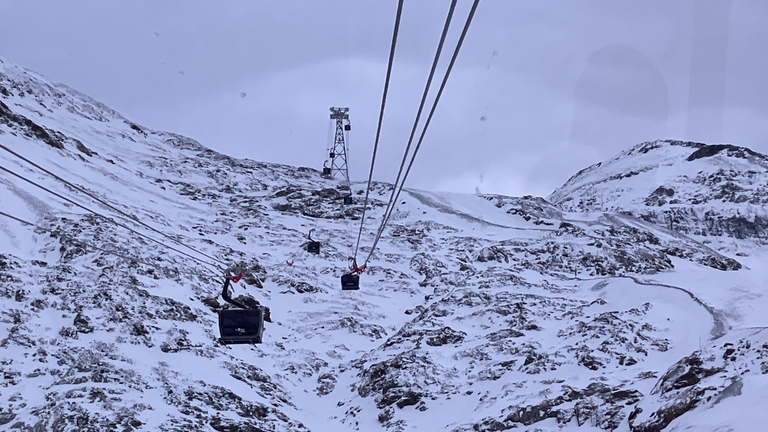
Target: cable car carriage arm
(225, 290)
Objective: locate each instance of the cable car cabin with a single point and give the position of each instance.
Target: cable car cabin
(347, 127)
(326, 171)
(350, 281)
(347, 199)
(332, 155)
(313, 247)
(241, 326)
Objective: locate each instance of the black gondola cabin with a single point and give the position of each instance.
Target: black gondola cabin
(313, 247)
(241, 326)
(350, 281)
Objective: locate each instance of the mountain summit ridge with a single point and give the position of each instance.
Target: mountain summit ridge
(694, 188)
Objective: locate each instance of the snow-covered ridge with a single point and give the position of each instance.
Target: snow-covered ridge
(49, 97)
(694, 188)
(477, 313)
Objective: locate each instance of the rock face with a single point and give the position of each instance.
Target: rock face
(476, 313)
(597, 405)
(702, 380)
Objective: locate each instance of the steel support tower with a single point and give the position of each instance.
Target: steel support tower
(338, 151)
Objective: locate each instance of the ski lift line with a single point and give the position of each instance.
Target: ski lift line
(110, 220)
(296, 254)
(426, 124)
(381, 117)
(349, 229)
(99, 200)
(114, 252)
(22, 221)
(436, 60)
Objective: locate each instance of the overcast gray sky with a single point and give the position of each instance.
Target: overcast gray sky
(560, 84)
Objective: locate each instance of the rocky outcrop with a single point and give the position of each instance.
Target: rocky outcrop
(28, 128)
(701, 379)
(597, 405)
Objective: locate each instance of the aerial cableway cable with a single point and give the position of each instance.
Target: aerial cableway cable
(110, 220)
(390, 209)
(378, 128)
(99, 200)
(436, 60)
(120, 254)
(242, 325)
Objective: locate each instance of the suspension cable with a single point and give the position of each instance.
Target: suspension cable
(381, 117)
(110, 220)
(99, 200)
(426, 124)
(22, 221)
(436, 60)
(114, 252)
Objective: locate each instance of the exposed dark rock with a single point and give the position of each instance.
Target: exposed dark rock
(386, 414)
(391, 383)
(137, 128)
(426, 266)
(302, 287)
(493, 253)
(6, 416)
(731, 150)
(326, 383)
(597, 405)
(83, 323)
(697, 380)
(82, 148)
(659, 196)
(710, 223)
(30, 129)
(408, 398)
(354, 325)
(286, 192)
(504, 334)
(328, 193)
(445, 336)
(622, 336)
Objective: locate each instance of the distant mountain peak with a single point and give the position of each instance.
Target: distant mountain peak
(660, 180)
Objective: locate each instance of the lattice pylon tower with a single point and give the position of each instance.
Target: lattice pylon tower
(338, 151)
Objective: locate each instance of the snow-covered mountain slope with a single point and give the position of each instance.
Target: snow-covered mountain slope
(702, 190)
(479, 313)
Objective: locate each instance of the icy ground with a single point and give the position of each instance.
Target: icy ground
(477, 313)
